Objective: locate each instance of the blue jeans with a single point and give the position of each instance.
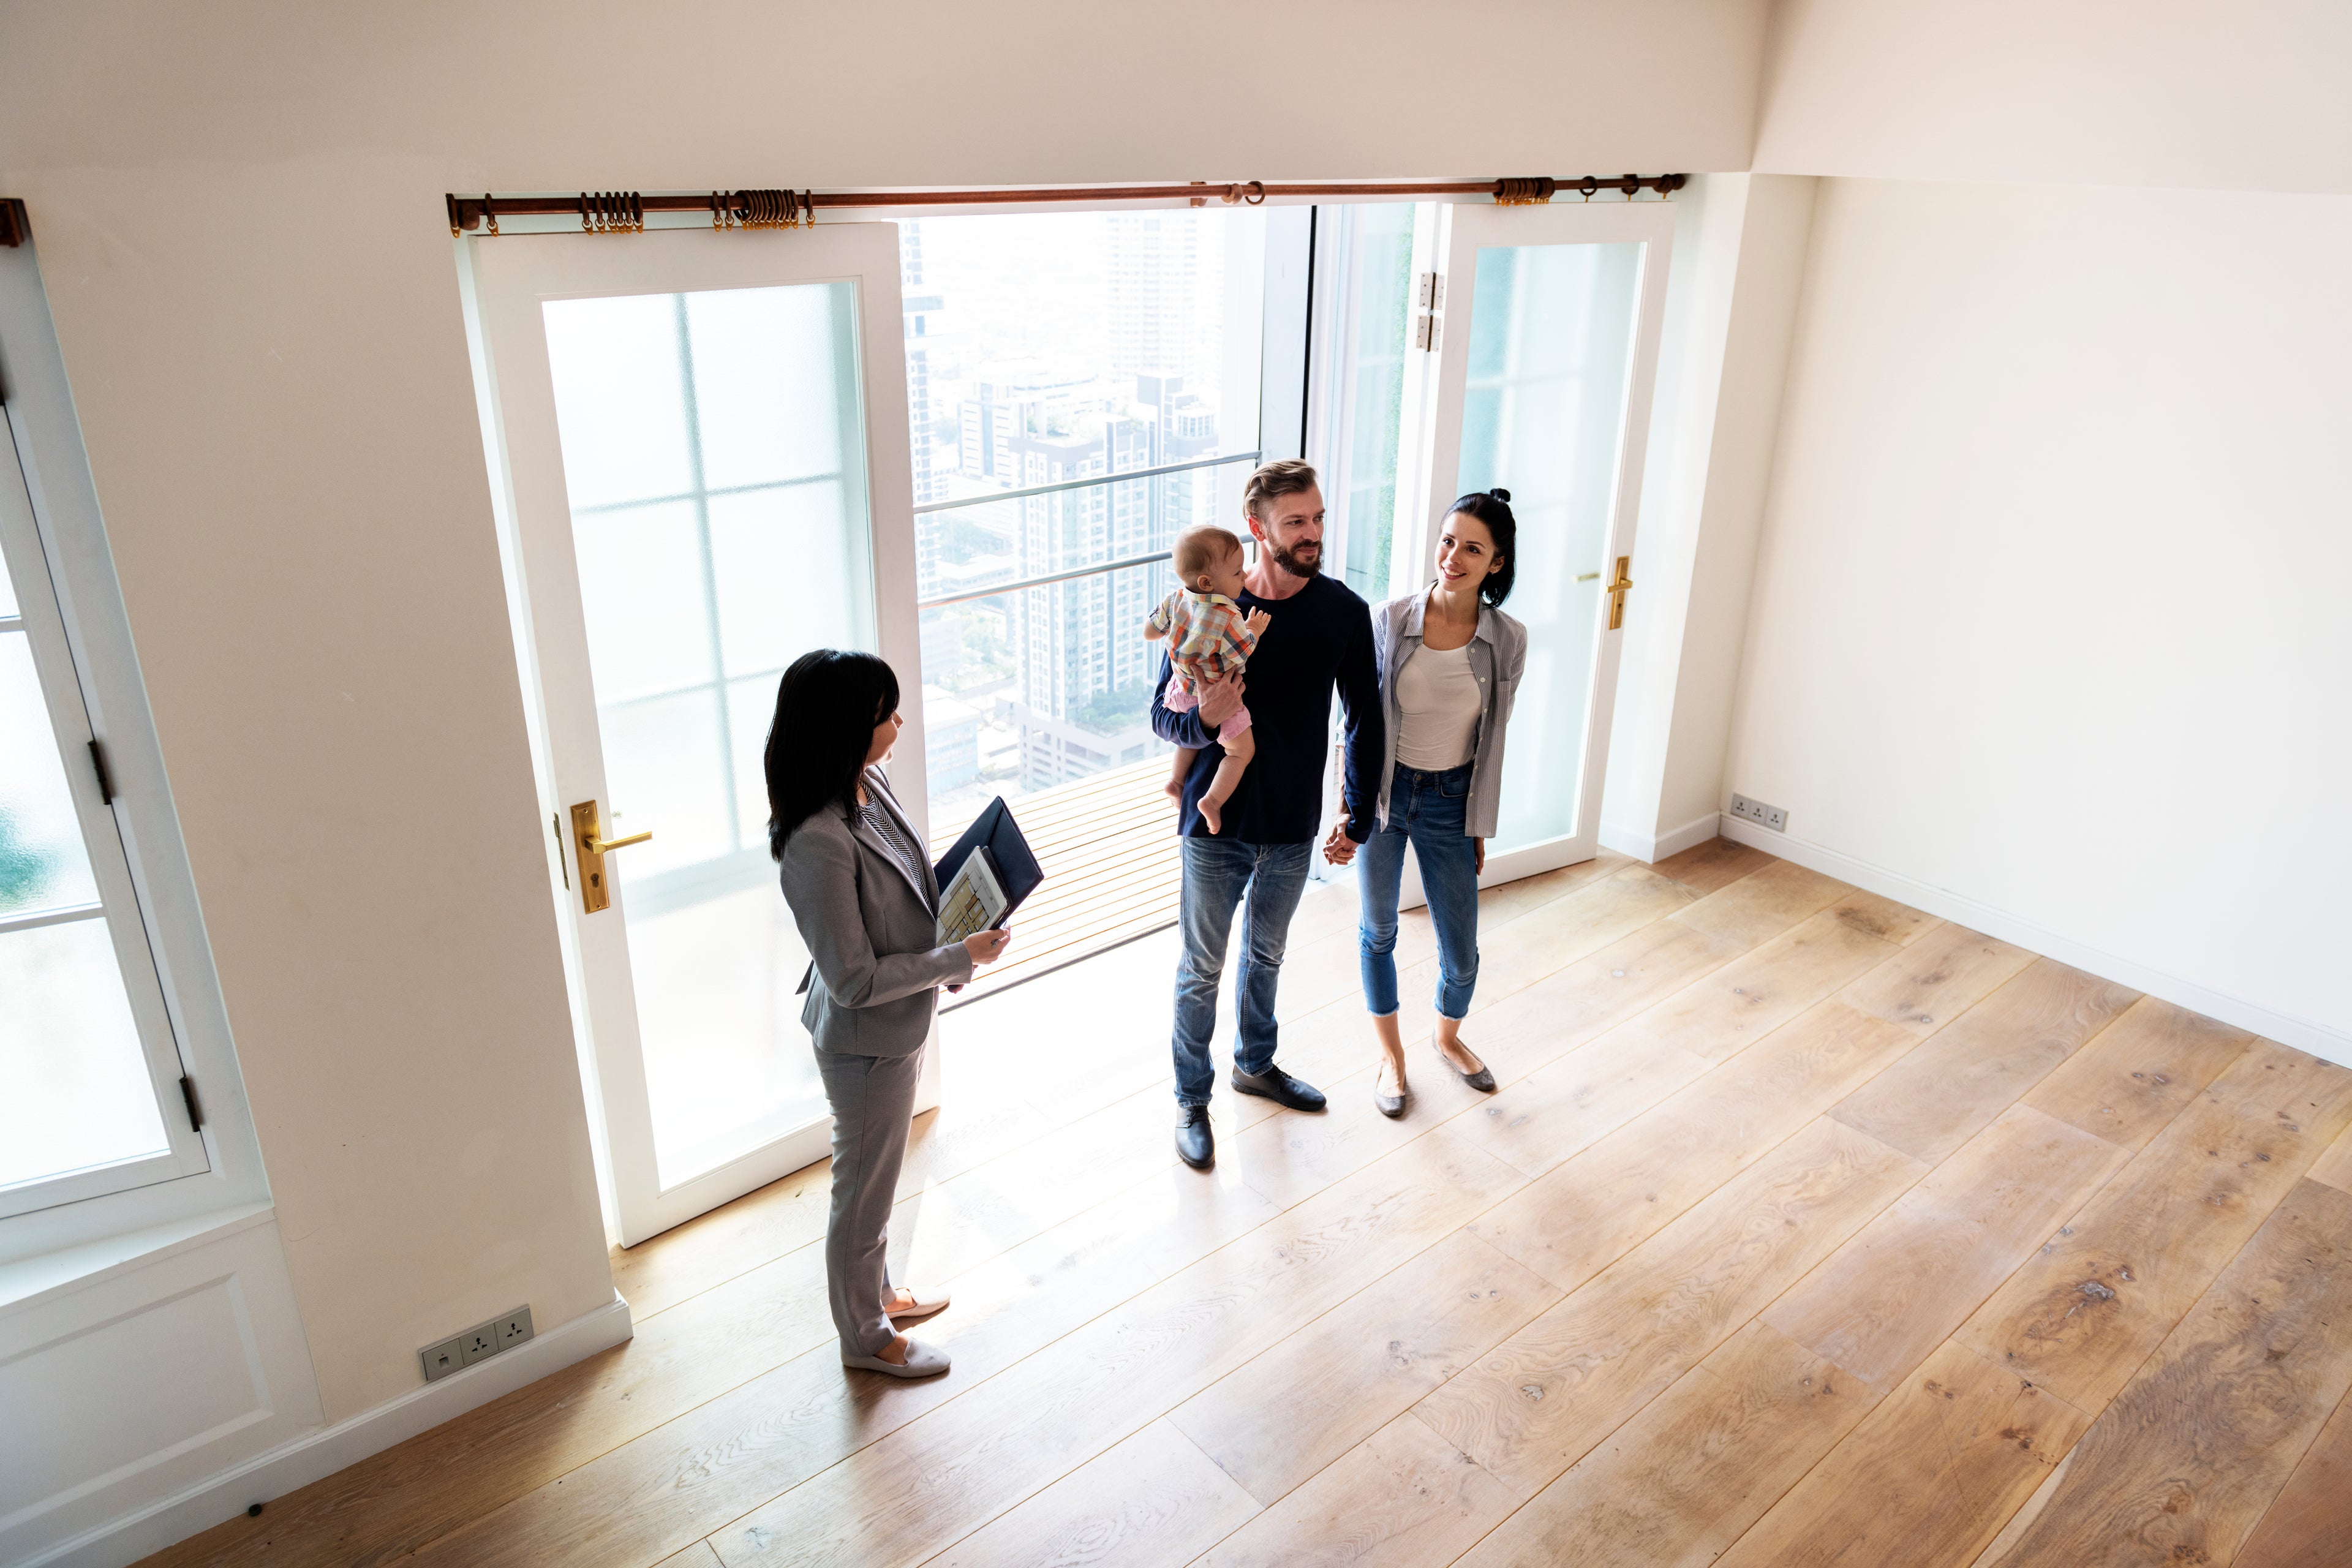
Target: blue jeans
(1217, 872)
(1427, 810)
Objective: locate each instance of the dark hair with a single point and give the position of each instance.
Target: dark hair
(1493, 508)
(826, 707)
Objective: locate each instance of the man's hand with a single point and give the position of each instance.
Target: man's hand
(1258, 621)
(1220, 701)
(1482, 855)
(1338, 847)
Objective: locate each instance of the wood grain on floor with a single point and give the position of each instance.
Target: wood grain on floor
(1803, 1228)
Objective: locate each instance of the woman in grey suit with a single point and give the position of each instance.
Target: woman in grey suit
(863, 894)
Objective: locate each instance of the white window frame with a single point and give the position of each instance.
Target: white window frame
(73, 605)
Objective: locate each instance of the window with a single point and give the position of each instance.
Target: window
(1057, 350)
(91, 1098)
(1364, 265)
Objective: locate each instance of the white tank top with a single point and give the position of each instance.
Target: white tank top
(1438, 705)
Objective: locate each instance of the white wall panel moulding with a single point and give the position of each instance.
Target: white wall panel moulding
(140, 1461)
(2302, 1033)
(1645, 847)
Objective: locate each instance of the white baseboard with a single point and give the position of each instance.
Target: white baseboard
(2288, 1030)
(319, 1454)
(1651, 850)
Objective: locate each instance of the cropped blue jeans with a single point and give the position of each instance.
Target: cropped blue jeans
(1426, 810)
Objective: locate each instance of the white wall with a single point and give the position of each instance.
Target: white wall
(2050, 612)
(2249, 96)
(239, 214)
(1740, 252)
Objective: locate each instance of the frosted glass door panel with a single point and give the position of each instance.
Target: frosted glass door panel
(1543, 415)
(714, 457)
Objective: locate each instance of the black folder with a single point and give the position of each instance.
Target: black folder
(1008, 853)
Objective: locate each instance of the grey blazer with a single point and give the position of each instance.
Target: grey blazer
(1498, 654)
(870, 930)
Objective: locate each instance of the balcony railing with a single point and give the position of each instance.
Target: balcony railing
(1107, 845)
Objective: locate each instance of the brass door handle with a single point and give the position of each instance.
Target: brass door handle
(1616, 592)
(588, 839)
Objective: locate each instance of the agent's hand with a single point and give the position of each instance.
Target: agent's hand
(1338, 847)
(1258, 621)
(1482, 855)
(1220, 701)
(987, 946)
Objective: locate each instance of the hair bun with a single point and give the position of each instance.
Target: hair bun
(1500, 495)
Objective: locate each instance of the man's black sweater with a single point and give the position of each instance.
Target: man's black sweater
(1319, 638)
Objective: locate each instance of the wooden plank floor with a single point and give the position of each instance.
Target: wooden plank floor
(1805, 1229)
(1108, 849)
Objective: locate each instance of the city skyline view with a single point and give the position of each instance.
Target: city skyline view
(1043, 349)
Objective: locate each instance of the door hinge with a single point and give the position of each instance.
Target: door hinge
(188, 1094)
(105, 779)
(1431, 292)
(1426, 331)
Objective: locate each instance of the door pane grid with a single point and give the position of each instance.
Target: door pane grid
(713, 449)
(1543, 415)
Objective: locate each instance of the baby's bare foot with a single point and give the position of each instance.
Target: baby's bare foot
(1173, 789)
(1213, 815)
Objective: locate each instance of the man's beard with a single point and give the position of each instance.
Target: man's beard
(1291, 563)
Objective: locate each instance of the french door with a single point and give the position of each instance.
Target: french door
(1536, 329)
(703, 439)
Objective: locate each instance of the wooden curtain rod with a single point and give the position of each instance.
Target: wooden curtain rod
(624, 211)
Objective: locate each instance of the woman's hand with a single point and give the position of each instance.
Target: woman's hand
(987, 946)
(1482, 855)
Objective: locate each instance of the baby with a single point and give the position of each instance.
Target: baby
(1209, 638)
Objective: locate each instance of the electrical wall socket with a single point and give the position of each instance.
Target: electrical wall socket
(1771, 816)
(479, 1342)
(513, 1328)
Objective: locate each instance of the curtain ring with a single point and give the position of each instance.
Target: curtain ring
(1588, 185)
(808, 209)
(1258, 200)
(489, 213)
(1632, 182)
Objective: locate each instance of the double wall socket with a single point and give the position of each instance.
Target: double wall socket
(1772, 816)
(479, 1342)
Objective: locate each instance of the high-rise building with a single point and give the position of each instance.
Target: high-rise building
(1080, 673)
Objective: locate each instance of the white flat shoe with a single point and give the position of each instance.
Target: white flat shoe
(922, 1361)
(915, 1306)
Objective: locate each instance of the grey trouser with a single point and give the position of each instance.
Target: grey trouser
(873, 1105)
